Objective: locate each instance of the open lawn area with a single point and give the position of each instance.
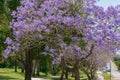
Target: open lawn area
(106, 76)
(9, 74)
(6, 74)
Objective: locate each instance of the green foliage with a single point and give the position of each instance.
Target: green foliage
(1, 6)
(117, 62)
(4, 32)
(106, 76)
(6, 7)
(13, 4)
(45, 63)
(82, 44)
(67, 40)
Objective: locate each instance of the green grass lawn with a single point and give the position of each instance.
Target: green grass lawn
(6, 74)
(9, 74)
(106, 76)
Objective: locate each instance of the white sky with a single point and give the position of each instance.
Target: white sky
(107, 3)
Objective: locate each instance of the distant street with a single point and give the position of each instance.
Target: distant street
(100, 77)
(115, 73)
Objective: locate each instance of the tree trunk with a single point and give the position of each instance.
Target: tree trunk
(89, 78)
(62, 74)
(72, 74)
(63, 68)
(33, 67)
(28, 66)
(22, 68)
(54, 69)
(66, 74)
(38, 68)
(92, 76)
(76, 72)
(15, 66)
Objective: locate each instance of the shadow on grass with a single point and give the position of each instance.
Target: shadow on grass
(10, 75)
(5, 77)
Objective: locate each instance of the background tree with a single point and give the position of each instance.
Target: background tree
(6, 8)
(94, 63)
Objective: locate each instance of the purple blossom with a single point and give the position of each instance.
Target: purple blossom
(43, 27)
(40, 36)
(29, 4)
(45, 53)
(117, 20)
(68, 20)
(90, 21)
(74, 38)
(7, 52)
(8, 41)
(37, 22)
(14, 14)
(47, 48)
(52, 50)
(61, 54)
(47, 31)
(17, 34)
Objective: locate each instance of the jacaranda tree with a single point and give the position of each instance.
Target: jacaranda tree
(68, 30)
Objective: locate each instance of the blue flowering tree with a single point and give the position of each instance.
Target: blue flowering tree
(70, 30)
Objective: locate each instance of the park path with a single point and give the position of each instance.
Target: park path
(37, 79)
(114, 71)
(100, 77)
(46, 78)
